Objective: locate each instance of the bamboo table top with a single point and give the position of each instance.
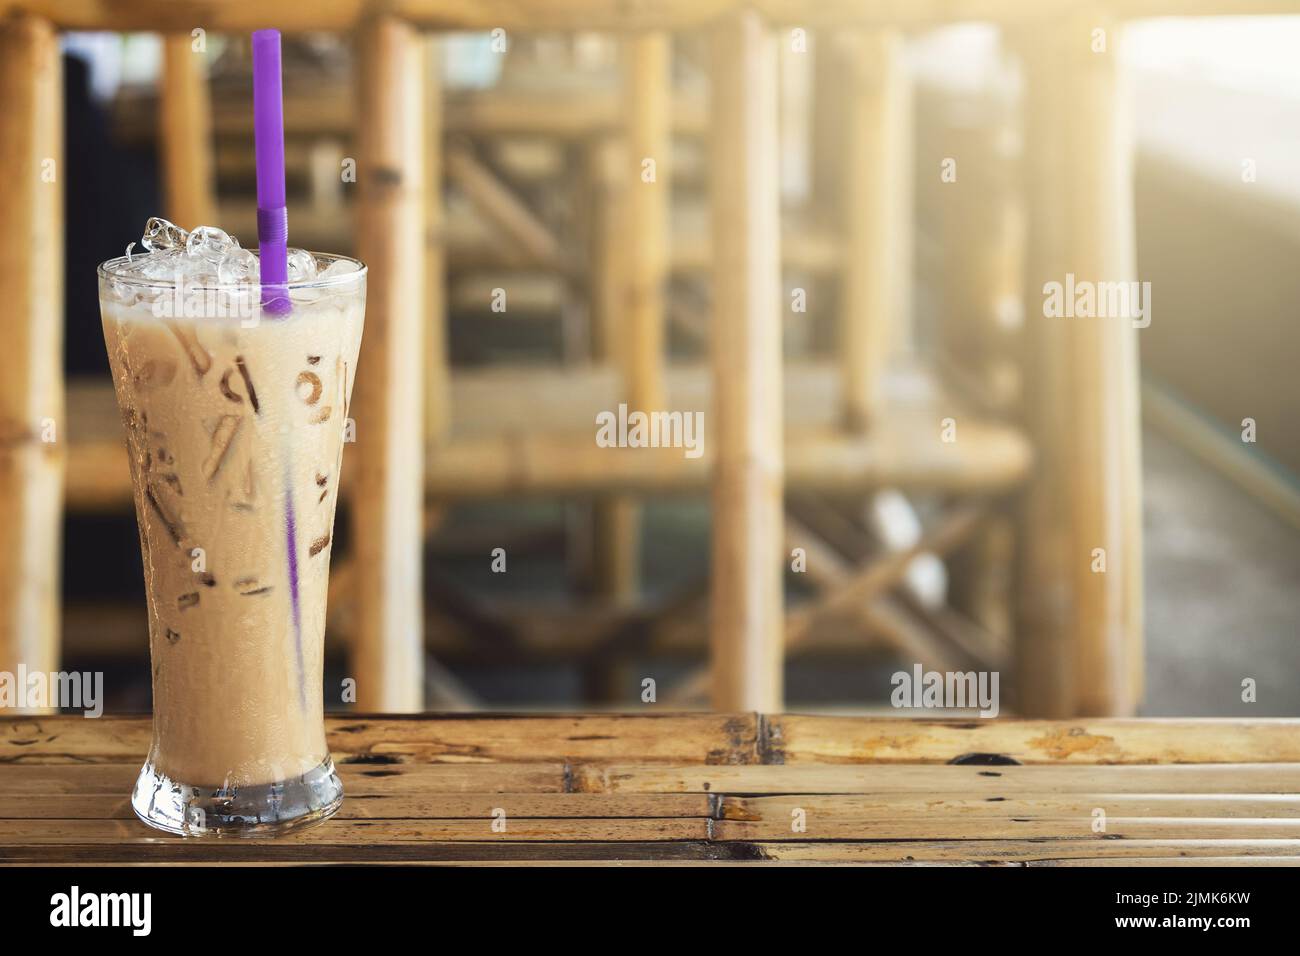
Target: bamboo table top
(705, 787)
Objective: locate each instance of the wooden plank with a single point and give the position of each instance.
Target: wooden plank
(109, 780)
(32, 422)
(1080, 631)
(1175, 861)
(862, 808)
(1023, 851)
(382, 779)
(422, 805)
(345, 835)
(793, 738)
(721, 738)
(877, 278)
(185, 135)
(476, 738)
(688, 853)
(1006, 828)
(623, 788)
(359, 779)
(961, 779)
(746, 620)
(712, 738)
(165, 851)
(531, 805)
(388, 654)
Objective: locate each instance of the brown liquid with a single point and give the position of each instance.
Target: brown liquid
(236, 438)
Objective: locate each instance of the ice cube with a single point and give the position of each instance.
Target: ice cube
(238, 267)
(211, 243)
(161, 236)
(339, 267)
(164, 265)
(121, 292)
(302, 266)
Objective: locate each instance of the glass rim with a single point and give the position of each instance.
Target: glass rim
(105, 270)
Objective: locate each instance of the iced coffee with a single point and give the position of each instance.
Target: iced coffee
(235, 419)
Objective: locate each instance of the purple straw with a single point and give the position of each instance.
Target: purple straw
(268, 144)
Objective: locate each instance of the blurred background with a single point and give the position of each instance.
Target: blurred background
(537, 176)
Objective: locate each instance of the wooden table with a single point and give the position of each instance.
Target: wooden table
(706, 787)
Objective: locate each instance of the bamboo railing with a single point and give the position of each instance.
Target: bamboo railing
(1080, 634)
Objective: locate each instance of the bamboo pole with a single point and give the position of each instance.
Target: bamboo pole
(607, 162)
(388, 494)
(615, 521)
(877, 276)
(639, 194)
(746, 625)
(503, 447)
(1080, 632)
(437, 368)
(992, 459)
(648, 91)
(32, 421)
(185, 122)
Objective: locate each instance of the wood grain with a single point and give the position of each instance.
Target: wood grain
(1080, 632)
(795, 738)
(688, 789)
(33, 428)
(874, 312)
(388, 458)
(461, 739)
(746, 623)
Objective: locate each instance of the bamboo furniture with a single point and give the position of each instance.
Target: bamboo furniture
(391, 397)
(32, 451)
(421, 435)
(732, 788)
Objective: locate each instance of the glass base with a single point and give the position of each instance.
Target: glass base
(267, 809)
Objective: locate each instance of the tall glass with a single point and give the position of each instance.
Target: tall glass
(235, 422)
